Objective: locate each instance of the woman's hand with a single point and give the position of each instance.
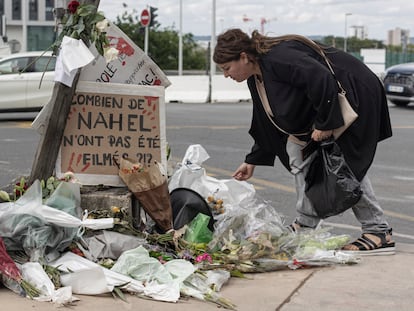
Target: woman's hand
(244, 172)
(318, 135)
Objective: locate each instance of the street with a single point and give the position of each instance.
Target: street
(222, 130)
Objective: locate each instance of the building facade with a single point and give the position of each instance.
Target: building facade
(398, 37)
(28, 25)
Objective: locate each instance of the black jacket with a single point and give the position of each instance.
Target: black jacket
(302, 92)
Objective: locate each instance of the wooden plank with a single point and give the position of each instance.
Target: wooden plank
(48, 148)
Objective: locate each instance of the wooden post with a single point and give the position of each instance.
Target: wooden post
(49, 144)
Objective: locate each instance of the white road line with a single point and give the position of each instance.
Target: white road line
(406, 199)
(355, 228)
(406, 178)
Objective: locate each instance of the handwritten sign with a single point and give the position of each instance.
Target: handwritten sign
(132, 66)
(109, 121)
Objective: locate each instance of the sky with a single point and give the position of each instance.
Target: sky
(304, 17)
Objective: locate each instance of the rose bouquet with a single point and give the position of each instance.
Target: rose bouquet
(82, 21)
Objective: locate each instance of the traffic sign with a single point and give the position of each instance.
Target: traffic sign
(145, 17)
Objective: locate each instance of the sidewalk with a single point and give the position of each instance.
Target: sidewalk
(376, 283)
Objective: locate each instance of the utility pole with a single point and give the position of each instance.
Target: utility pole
(346, 31)
(25, 17)
(212, 45)
(180, 42)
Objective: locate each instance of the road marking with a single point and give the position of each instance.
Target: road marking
(398, 215)
(403, 127)
(213, 127)
(9, 139)
(405, 178)
(18, 124)
(408, 199)
(350, 227)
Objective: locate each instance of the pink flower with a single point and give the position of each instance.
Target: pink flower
(73, 6)
(204, 257)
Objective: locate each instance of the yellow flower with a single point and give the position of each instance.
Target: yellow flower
(115, 209)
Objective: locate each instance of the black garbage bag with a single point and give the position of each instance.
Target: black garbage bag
(186, 204)
(331, 186)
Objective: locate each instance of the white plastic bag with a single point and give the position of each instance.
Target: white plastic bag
(162, 292)
(87, 282)
(192, 175)
(34, 273)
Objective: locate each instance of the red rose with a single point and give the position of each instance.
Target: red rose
(19, 187)
(73, 6)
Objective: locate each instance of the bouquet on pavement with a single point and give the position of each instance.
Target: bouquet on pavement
(149, 185)
(11, 275)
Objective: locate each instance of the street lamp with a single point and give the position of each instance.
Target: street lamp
(346, 32)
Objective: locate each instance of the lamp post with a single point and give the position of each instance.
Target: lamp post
(211, 50)
(180, 42)
(346, 30)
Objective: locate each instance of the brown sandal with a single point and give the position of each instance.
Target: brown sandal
(365, 245)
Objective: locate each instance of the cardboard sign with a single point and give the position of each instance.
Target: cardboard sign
(132, 66)
(108, 121)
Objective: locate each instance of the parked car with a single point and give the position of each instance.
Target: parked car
(26, 81)
(399, 84)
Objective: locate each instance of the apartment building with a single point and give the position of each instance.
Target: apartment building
(28, 25)
(398, 37)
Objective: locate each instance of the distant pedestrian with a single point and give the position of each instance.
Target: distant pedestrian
(295, 99)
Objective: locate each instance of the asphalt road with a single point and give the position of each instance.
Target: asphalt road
(222, 130)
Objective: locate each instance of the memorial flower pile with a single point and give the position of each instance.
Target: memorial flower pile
(249, 236)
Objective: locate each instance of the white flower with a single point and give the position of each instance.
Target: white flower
(110, 54)
(102, 25)
(4, 196)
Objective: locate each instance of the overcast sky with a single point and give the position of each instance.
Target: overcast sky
(305, 17)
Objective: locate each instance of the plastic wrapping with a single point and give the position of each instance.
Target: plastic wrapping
(66, 198)
(190, 174)
(330, 184)
(251, 218)
(198, 231)
(69, 262)
(33, 272)
(38, 229)
(167, 278)
(108, 244)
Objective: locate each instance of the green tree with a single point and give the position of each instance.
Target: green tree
(354, 45)
(163, 43)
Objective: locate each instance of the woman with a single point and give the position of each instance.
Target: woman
(295, 99)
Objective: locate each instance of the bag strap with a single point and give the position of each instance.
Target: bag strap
(262, 93)
(333, 73)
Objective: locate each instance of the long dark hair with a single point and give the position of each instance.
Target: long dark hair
(233, 42)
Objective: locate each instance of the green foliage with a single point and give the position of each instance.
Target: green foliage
(353, 44)
(81, 25)
(48, 187)
(163, 44)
